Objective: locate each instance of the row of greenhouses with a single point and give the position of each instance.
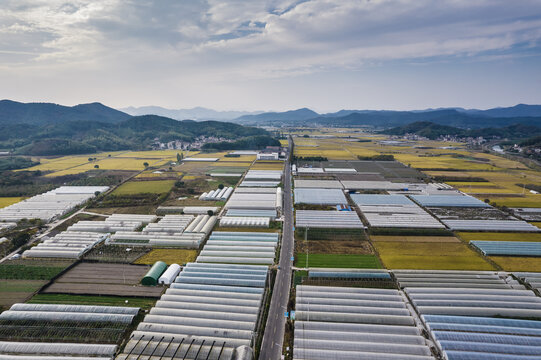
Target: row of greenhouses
(50, 205)
(67, 244)
(217, 195)
(114, 223)
(68, 332)
(244, 221)
(355, 323)
(328, 219)
(476, 315)
(170, 224)
(394, 211)
(508, 248)
(211, 311)
(240, 248)
(252, 199)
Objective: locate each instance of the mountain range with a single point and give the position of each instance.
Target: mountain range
(196, 113)
(12, 112)
(459, 117)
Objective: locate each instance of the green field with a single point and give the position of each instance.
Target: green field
(338, 261)
(25, 272)
(142, 187)
(92, 300)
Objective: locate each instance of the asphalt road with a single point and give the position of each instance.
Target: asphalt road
(273, 338)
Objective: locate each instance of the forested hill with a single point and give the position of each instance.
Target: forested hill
(12, 112)
(135, 133)
(433, 131)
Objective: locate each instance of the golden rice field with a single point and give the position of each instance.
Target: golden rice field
(284, 142)
(497, 236)
(165, 174)
(6, 201)
(529, 200)
(417, 239)
(517, 263)
(169, 256)
(429, 256)
(267, 165)
(120, 160)
(211, 155)
(138, 187)
(242, 158)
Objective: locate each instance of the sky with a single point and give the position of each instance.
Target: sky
(272, 55)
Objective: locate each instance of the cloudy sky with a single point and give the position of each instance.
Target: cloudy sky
(272, 55)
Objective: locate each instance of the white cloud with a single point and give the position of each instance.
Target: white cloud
(224, 41)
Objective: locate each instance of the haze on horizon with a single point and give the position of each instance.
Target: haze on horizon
(272, 55)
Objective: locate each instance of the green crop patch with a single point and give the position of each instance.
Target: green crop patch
(25, 272)
(144, 187)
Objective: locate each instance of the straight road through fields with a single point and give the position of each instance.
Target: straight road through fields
(271, 346)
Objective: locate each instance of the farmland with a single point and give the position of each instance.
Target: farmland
(429, 256)
(14, 291)
(138, 187)
(499, 236)
(103, 279)
(169, 256)
(6, 201)
(144, 303)
(517, 263)
(337, 261)
(28, 272)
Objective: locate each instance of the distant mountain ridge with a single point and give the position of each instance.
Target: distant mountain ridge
(196, 113)
(13, 112)
(433, 131)
(458, 117)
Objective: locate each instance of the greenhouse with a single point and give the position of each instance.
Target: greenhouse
(67, 244)
(318, 196)
(394, 211)
(239, 248)
(328, 219)
(208, 304)
(50, 205)
(322, 184)
(491, 225)
(355, 323)
(448, 201)
(169, 224)
(217, 195)
(248, 221)
(169, 275)
(152, 276)
(508, 248)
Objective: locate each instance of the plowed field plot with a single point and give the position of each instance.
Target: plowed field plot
(333, 247)
(104, 279)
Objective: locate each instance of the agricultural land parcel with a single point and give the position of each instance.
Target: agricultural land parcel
(6, 201)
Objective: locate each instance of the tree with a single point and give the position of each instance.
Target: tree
(96, 193)
(210, 213)
(179, 158)
(96, 166)
(221, 186)
(90, 159)
(145, 164)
